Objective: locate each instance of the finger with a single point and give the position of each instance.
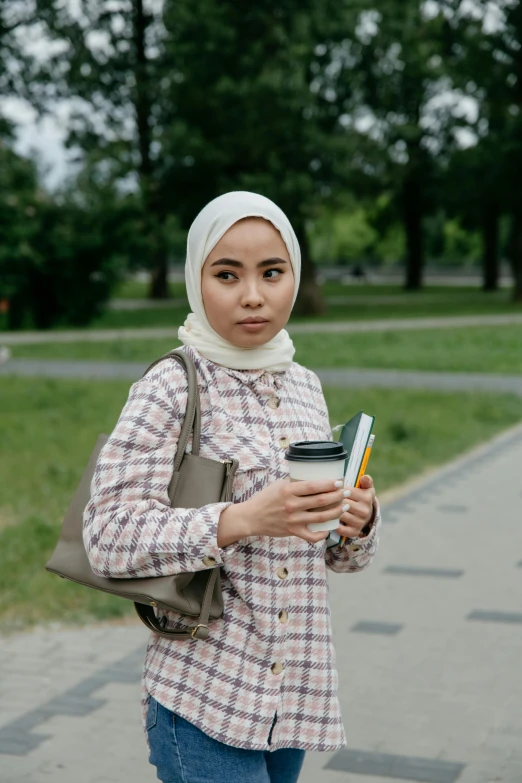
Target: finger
(350, 530)
(361, 511)
(315, 487)
(366, 482)
(362, 496)
(312, 538)
(352, 521)
(318, 517)
(321, 501)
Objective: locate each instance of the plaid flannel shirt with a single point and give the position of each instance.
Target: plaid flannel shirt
(271, 652)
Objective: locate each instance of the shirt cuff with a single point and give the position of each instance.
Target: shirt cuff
(213, 555)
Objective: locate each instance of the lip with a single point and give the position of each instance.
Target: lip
(253, 324)
(253, 321)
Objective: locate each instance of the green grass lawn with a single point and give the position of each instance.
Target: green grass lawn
(435, 306)
(133, 289)
(49, 428)
(496, 349)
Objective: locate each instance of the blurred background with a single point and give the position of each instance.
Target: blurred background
(390, 132)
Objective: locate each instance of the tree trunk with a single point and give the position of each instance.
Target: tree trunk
(154, 218)
(309, 299)
(516, 254)
(490, 235)
(412, 216)
(159, 283)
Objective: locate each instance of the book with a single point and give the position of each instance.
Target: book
(355, 437)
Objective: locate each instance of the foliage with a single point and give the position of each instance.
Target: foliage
(109, 63)
(389, 132)
(257, 123)
(60, 257)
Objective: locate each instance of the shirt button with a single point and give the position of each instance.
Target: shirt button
(283, 616)
(277, 668)
(274, 402)
(282, 572)
(284, 443)
(209, 561)
(354, 548)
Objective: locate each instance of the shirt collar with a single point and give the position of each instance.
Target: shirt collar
(247, 377)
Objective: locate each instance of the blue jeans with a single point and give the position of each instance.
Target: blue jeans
(183, 753)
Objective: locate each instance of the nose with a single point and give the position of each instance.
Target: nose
(252, 295)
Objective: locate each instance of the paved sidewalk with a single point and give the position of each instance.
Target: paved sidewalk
(322, 327)
(351, 378)
(429, 645)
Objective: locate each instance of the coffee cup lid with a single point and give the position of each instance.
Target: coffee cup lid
(315, 451)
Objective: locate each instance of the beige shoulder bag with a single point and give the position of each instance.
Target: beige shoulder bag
(196, 481)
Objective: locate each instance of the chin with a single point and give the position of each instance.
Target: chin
(252, 340)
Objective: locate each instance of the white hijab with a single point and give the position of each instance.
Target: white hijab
(210, 225)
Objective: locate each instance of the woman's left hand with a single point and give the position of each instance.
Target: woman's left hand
(360, 511)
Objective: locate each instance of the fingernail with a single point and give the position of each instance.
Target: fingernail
(345, 508)
(338, 484)
(347, 493)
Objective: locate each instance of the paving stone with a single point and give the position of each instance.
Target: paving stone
(495, 617)
(401, 767)
(445, 573)
(387, 629)
(352, 378)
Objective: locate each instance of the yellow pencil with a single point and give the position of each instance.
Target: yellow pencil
(362, 471)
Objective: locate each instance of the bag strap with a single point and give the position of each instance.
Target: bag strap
(200, 630)
(192, 420)
(191, 425)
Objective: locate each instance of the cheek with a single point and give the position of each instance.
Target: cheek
(214, 301)
(285, 293)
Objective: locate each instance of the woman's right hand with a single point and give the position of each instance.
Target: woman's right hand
(285, 508)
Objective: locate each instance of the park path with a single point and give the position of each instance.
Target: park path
(337, 299)
(350, 378)
(312, 327)
(428, 640)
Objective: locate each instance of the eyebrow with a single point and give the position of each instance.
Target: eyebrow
(240, 265)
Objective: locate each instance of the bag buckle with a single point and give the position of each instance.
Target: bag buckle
(194, 630)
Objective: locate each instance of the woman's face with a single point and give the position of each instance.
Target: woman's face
(247, 284)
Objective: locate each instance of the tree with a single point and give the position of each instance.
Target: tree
(490, 65)
(59, 256)
(387, 73)
(243, 112)
(500, 81)
(109, 65)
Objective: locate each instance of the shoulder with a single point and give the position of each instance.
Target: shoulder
(305, 378)
(170, 376)
(166, 384)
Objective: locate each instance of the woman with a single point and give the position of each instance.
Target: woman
(247, 703)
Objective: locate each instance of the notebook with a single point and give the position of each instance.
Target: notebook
(355, 436)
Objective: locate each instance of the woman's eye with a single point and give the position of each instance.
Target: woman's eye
(273, 274)
(226, 276)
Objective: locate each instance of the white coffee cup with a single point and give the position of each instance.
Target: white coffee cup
(310, 460)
